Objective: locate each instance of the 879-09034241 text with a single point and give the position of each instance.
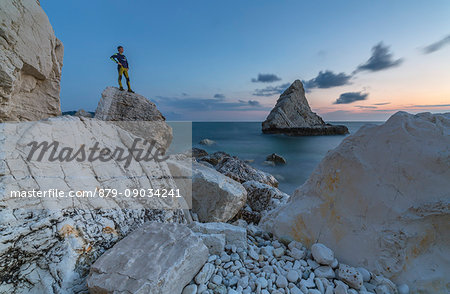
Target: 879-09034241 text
(98, 192)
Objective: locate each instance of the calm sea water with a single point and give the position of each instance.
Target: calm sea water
(245, 140)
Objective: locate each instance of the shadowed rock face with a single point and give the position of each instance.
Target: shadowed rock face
(116, 105)
(293, 116)
(30, 63)
(381, 200)
(123, 107)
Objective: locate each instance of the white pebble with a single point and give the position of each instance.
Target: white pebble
(322, 254)
(278, 252)
(190, 289)
(262, 282)
(292, 276)
(281, 282)
(216, 279)
(365, 273)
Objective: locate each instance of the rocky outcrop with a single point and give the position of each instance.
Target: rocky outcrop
(84, 113)
(31, 58)
(293, 116)
(233, 167)
(381, 200)
(48, 243)
(261, 193)
(261, 198)
(156, 258)
(213, 158)
(241, 171)
(134, 113)
(198, 152)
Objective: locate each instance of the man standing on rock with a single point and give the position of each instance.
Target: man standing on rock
(122, 67)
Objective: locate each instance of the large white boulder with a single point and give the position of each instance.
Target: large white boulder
(381, 200)
(47, 244)
(31, 59)
(156, 258)
(215, 197)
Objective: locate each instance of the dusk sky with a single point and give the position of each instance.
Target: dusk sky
(230, 60)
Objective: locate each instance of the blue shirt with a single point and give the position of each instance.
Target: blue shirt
(120, 58)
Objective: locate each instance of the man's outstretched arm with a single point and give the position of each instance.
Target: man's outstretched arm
(114, 58)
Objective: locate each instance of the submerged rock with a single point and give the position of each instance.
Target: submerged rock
(156, 258)
(31, 59)
(381, 200)
(275, 158)
(293, 116)
(207, 142)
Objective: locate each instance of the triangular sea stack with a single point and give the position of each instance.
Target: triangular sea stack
(293, 116)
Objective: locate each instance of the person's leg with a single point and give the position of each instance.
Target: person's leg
(120, 70)
(125, 72)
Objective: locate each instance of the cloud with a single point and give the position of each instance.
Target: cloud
(266, 78)
(219, 96)
(431, 105)
(350, 97)
(381, 59)
(382, 103)
(251, 103)
(437, 45)
(254, 103)
(185, 105)
(271, 90)
(343, 115)
(365, 107)
(328, 79)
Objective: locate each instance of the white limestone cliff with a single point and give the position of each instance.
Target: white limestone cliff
(48, 243)
(31, 59)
